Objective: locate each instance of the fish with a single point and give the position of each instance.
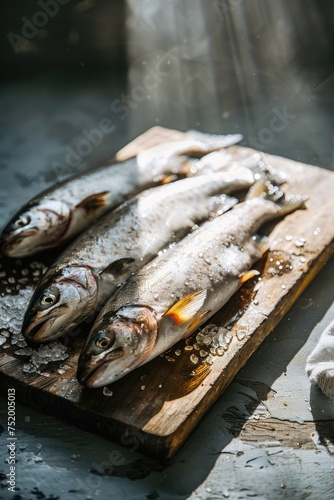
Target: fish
(92, 267)
(63, 211)
(174, 294)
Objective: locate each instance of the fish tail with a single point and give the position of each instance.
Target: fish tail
(271, 192)
(260, 168)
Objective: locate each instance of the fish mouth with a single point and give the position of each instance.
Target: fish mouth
(9, 243)
(39, 333)
(91, 376)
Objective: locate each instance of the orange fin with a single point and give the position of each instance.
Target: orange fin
(196, 323)
(186, 308)
(94, 201)
(168, 179)
(247, 276)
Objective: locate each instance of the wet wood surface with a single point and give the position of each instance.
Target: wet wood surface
(160, 403)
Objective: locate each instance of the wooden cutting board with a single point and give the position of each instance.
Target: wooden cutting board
(154, 408)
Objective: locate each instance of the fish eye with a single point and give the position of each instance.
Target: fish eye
(22, 221)
(48, 299)
(104, 341)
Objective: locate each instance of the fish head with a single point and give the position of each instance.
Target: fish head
(60, 303)
(117, 343)
(36, 227)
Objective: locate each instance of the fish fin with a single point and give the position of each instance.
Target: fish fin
(262, 243)
(221, 204)
(213, 141)
(196, 323)
(119, 267)
(186, 308)
(168, 179)
(215, 161)
(94, 201)
(271, 192)
(243, 277)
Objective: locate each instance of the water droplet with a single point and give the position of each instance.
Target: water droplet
(289, 237)
(300, 242)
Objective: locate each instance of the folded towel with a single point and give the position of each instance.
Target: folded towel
(320, 363)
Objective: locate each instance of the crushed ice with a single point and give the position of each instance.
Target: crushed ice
(12, 309)
(214, 340)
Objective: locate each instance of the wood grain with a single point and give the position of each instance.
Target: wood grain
(156, 407)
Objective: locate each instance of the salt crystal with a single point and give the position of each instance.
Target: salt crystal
(207, 339)
(24, 352)
(194, 359)
(241, 334)
(107, 392)
(171, 360)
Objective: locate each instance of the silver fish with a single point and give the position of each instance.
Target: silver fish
(88, 272)
(62, 212)
(169, 298)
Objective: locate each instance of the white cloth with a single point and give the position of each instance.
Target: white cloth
(320, 363)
